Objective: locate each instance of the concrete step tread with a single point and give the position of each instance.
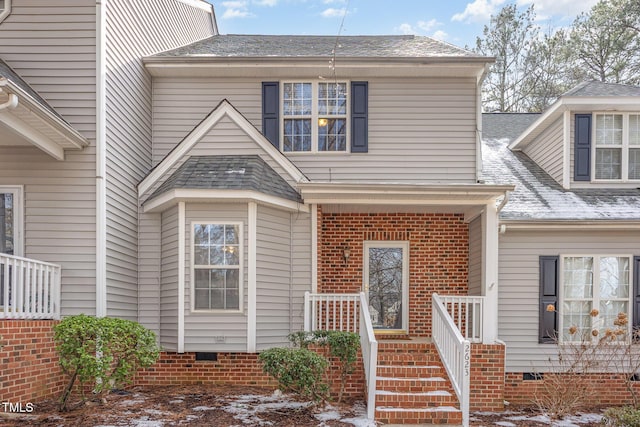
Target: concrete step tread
(435, 379)
(432, 409)
(422, 393)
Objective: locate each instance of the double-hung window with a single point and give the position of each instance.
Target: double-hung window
(617, 146)
(11, 220)
(588, 283)
(314, 116)
(217, 266)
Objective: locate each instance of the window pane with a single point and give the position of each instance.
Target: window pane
(332, 98)
(217, 299)
(614, 277)
(634, 129)
(634, 163)
(216, 234)
(297, 99)
(217, 279)
(200, 234)
(201, 279)
(231, 255)
(608, 129)
(216, 255)
(231, 234)
(609, 313)
(201, 301)
(297, 135)
(332, 134)
(6, 223)
(608, 163)
(201, 255)
(578, 277)
(575, 314)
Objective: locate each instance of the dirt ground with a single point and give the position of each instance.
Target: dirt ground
(196, 406)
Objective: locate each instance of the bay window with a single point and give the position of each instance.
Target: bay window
(617, 146)
(588, 283)
(217, 272)
(314, 116)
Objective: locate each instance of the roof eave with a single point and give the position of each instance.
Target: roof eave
(570, 224)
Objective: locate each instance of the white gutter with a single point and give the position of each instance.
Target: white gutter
(101, 161)
(569, 225)
(11, 103)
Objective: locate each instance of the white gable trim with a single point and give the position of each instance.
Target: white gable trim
(223, 109)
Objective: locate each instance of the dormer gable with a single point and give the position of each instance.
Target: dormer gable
(590, 137)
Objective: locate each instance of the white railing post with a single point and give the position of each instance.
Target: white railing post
(30, 288)
(307, 312)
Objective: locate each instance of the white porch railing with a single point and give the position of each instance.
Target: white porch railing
(347, 312)
(466, 313)
(29, 289)
(455, 353)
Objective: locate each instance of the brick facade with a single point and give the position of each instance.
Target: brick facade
(438, 255)
(29, 362)
(608, 389)
(487, 377)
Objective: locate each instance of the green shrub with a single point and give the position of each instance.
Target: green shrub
(104, 352)
(625, 416)
(298, 370)
(342, 345)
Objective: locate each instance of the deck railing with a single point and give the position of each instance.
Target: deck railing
(347, 312)
(29, 289)
(466, 313)
(455, 353)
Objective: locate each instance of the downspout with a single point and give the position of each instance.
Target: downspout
(12, 102)
(101, 161)
(502, 228)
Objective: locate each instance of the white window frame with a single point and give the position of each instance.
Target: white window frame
(315, 116)
(596, 282)
(192, 285)
(6, 11)
(18, 216)
(624, 172)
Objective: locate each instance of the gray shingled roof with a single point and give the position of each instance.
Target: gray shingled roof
(9, 73)
(537, 196)
(596, 88)
(229, 173)
(237, 45)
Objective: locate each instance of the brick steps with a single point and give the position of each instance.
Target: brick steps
(412, 386)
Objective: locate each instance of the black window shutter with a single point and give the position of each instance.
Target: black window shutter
(636, 292)
(548, 329)
(359, 117)
(270, 112)
(582, 153)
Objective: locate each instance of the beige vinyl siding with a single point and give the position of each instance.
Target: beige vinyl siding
(149, 252)
(274, 293)
(169, 281)
(547, 150)
(51, 44)
(300, 267)
(215, 331)
(59, 217)
(475, 256)
(519, 284)
(133, 30)
(419, 129)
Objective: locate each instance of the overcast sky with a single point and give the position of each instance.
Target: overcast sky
(455, 21)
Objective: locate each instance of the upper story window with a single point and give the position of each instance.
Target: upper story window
(617, 146)
(11, 220)
(314, 116)
(217, 260)
(5, 9)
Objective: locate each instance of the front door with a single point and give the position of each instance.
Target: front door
(385, 284)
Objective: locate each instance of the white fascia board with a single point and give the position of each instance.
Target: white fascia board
(199, 4)
(181, 150)
(66, 131)
(576, 103)
(570, 225)
(177, 195)
(36, 138)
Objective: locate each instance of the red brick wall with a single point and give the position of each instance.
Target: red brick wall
(29, 367)
(608, 389)
(487, 377)
(438, 255)
(234, 369)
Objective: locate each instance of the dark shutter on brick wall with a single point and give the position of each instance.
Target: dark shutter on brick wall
(582, 153)
(271, 112)
(636, 292)
(359, 117)
(548, 329)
